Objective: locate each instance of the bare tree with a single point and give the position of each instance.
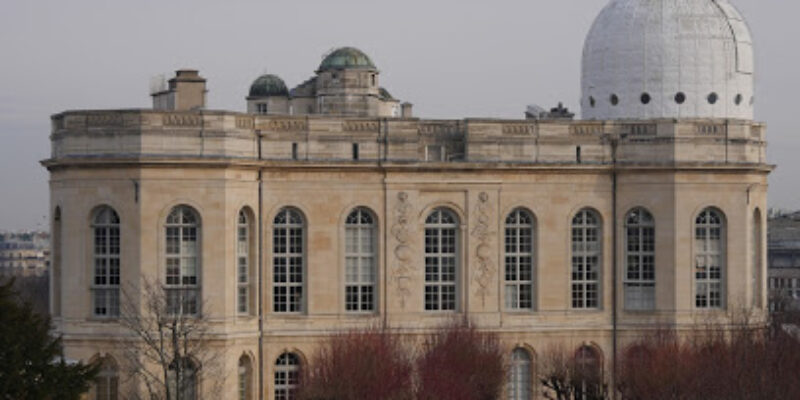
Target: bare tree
(363, 364)
(171, 348)
(572, 376)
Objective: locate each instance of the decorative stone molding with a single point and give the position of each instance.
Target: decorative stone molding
(245, 122)
(710, 129)
(403, 251)
(360, 126)
(643, 129)
(517, 129)
(485, 270)
(104, 120)
(288, 125)
(585, 129)
(438, 128)
(182, 120)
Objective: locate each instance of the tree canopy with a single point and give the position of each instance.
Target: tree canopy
(31, 362)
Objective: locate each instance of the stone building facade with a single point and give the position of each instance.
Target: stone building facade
(285, 228)
(783, 252)
(24, 254)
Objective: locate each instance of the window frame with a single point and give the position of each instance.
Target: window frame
(360, 228)
(189, 295)
(287, 364)
(244, 250)
(520, 382)
(109, 376)
(438, 304)
(245, 381)
(708, 255)
(286, 257)
(517, 228)
(106, 222)
(643, 222)
(585, 255)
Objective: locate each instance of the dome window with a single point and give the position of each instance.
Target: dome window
(752, 100)
(738, 99)
(592, 102)
(680, 98)
(712, 98)
(645, 98)
(614, 100)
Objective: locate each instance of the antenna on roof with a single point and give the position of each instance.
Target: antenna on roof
(158, 84)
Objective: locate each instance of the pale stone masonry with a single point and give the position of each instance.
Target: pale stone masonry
(143, 163)
(323, 209)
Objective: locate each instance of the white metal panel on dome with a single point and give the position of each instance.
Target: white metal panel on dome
(668, 59)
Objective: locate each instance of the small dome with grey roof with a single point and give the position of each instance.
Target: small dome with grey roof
(346, 58)
(268, 85)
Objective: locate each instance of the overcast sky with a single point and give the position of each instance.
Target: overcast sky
(451, 58)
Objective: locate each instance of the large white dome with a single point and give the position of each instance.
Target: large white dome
(668, 59)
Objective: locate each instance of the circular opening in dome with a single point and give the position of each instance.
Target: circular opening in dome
(680, 98)
(712, 98)
(592, 102)
(614, 100)
(738, 99)
(646, 98)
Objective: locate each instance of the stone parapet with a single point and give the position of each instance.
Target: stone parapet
(143, 134)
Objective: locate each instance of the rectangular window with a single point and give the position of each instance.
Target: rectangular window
(288, 263)
(434, 153)
(243, 264)
(106, 281)
(586, 254)
(294, 151)
(519, 261)
(355, 151)
(639, 279)
(441, 262)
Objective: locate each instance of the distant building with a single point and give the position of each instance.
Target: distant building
(24, 254)
(783, 236)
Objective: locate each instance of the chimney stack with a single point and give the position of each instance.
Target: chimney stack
(405, 110)
(186, 91)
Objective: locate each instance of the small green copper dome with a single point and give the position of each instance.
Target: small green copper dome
(268, 85)
(346, 57)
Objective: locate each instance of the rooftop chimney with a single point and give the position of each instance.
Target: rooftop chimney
(186, 91)
(405, 110)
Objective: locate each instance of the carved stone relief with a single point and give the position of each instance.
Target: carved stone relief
(485, 270)
(403, 251)
(182, 120)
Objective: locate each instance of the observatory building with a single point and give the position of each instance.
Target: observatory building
(330, 207)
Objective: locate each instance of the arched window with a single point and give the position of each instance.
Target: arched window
(640, 260)
(287, 376)
(243, 263)
(441, 260)
(288, 257)
(245, 378)
(106, 251)
(757, 259)
(586, 254)
(360, 261)
(183, 379)
(106, 384)
(519, 260)
(589, 372)
(183, 261)
(519, 376)
(709, 265)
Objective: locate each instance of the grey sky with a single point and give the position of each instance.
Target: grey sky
(451, 58)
